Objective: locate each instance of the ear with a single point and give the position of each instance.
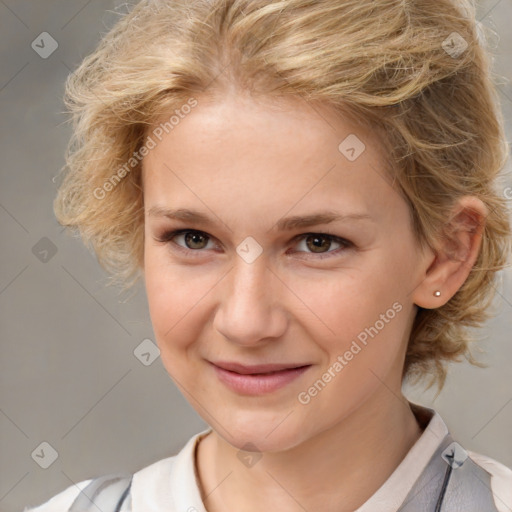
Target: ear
(454, 255)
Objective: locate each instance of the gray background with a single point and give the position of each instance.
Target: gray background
(68, 372)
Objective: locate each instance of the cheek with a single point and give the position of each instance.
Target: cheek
(354, 315)
(167, 296)
(172, 319)
(341, 303)
(175, 295)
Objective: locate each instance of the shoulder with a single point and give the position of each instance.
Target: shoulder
(61, 501)
(501, 479)
(149, 478)
(142, 488)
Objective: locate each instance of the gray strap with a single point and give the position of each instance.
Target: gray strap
(108, 493)
(451, 482)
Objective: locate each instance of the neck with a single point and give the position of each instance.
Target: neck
(338, 469)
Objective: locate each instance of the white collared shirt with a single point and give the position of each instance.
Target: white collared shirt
(171, 484)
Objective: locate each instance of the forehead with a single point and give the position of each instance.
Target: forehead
(261, 151)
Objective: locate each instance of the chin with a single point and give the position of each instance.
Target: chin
(264, 431)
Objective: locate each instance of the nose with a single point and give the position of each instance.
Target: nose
(250, 310)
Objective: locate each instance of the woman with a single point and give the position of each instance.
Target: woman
(307, 190)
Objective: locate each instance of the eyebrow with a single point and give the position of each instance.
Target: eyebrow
(285, 224)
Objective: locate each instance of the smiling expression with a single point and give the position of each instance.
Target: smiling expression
(265, 244)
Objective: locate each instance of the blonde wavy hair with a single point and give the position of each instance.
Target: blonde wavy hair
(394, 65)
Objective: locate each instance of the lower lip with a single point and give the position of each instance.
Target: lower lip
(258, 384)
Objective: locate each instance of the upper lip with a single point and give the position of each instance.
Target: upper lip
(256, 368)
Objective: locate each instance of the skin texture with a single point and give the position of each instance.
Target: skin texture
(248, 162)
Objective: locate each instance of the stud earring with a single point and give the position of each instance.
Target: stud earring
(437, 293)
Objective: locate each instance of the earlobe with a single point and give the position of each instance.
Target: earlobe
(455, 254)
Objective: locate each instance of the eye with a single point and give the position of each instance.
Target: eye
(318, 243)
(194, 240)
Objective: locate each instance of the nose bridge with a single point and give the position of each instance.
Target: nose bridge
(251, 283)
(249, 308)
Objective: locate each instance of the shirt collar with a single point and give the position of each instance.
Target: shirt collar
(390, 496)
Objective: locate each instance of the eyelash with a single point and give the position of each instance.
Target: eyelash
(167, 237)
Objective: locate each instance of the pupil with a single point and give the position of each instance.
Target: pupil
(315, 246)
(192, 238)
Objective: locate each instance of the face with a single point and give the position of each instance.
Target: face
(249, 284)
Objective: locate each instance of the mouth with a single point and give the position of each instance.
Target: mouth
(258, 369)
(257, 379)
